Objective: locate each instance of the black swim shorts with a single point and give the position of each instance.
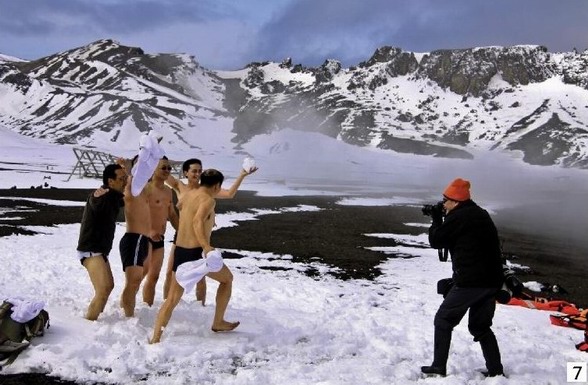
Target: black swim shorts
(156, 244)
(134, 249)
(182, 255)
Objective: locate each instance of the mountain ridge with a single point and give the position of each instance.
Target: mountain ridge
(446, 103)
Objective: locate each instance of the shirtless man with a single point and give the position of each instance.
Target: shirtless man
(192, 243)
(192, 168)
(134, 245)
(161, 209)
(97, 233)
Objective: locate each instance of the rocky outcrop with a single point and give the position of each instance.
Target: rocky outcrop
(574, 68)
(327, 71)
(469, 71)
(364, 105)
(549, 144)
(398, 62)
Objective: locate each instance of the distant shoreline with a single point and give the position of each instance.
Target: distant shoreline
(334, 235)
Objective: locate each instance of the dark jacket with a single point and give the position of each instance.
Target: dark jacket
(472, 239)
(99, 221)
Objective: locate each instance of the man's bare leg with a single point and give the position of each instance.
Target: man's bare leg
(152, 276)
(166, 310)
(133, 275)
(201, 291)
(103, 282)
(168, 271)
(223, 295)
(200, 286)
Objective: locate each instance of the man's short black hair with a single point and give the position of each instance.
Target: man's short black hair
(186, 165)
(211, 177)
(110, 173)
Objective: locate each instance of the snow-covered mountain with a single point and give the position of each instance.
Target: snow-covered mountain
(446, 103)
(105, 95)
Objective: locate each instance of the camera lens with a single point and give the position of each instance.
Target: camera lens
(503, 295)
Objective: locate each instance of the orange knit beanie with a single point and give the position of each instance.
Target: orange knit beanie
(458, 190)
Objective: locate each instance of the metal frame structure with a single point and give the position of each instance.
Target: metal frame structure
(91, 163)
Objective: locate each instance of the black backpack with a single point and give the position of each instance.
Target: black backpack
(15, 336)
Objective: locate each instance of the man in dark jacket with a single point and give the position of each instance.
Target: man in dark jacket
(472, 240)
(97, 233)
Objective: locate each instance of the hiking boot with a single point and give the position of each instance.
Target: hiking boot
(9, 347)
(491, 354)
(487, 373)
(434, 371)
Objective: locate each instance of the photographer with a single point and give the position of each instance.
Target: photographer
(472, 240)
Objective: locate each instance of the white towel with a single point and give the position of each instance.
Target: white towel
(23, 310)
(150, 153)
(189, 273)
(214, 261)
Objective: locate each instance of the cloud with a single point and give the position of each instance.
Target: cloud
(56, 16)
(350, 31)
(45, 27)
(505, 22)
(228, 34)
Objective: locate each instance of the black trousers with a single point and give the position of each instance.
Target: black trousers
(481, 304)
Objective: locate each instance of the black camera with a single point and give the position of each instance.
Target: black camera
(510, 287)
(437, 211)
(431, 210)
(444, 285)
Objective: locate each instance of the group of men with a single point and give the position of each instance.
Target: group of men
(459, 225)
(142, 246)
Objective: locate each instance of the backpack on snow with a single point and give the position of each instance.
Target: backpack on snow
(15, 336)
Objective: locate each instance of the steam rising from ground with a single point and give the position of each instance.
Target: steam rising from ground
(551, 200)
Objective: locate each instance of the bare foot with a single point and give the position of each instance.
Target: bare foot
(156, 338)
(225, 326)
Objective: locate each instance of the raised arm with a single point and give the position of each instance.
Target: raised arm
(232, 191)
(126, 164)
(176, 184)
(173, 182)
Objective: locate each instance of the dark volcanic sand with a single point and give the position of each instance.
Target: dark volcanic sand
(333, 235)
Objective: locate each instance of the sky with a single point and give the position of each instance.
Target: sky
(229, 34)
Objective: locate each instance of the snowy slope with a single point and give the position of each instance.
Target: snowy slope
(447, 103)
(294, 329)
